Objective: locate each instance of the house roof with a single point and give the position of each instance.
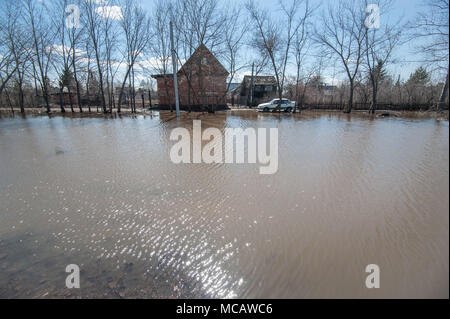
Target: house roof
(210, 65)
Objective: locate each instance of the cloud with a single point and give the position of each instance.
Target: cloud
(156, 64)
(239, 76)
(112, 12)
(58, 49)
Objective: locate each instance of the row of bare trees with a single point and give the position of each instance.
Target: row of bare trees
(73, 46)
(418, 92)
(97, 50)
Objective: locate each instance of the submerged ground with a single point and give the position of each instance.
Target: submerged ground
(102, 193)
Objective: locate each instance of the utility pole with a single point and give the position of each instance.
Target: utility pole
(175, 79)
(251, 86)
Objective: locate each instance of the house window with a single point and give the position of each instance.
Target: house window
(204, 60)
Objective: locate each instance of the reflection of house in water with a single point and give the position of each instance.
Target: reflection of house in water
(264, 89)
(201, 83)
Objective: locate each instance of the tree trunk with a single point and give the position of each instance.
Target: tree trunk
(100, 76)
(350, 99)
(280, 95)
(47, 103)
(108, 90)
(61, 102)
(373, 104)
(21, 94)
(149, 100)
(77, 83)
(87, 91)
(296, 90)
(70, 100)
(121, 90)
(133, 91)
(21, 99)
(251, 86)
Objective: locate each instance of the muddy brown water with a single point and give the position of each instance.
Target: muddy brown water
(103, 194)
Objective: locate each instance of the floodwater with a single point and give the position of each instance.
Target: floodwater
(104, 195)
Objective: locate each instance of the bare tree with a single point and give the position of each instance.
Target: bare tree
(17, 53)
(235, 31)
(276, 41)
(301, 46)
(136, 30)
(6, 69)
(93, 26)
(43, 36)
(109, 29)
(76, 35)
(341, 35)
(160, 46)
(199, 22)
(63, 52)
(379, 48)
(432, 24)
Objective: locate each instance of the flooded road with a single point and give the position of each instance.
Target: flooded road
(103, 194)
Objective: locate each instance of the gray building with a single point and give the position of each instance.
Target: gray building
(264, 89)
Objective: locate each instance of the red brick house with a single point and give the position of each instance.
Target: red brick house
(201, 83)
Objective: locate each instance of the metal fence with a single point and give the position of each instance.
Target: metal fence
(380, 106)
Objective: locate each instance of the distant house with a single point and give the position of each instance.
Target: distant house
(328, 89)
(56, 96)
(264, 89)
(201, 83)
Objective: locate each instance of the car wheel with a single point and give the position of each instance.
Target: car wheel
(266, 109)
(289, 110)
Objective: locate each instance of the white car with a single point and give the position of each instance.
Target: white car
(274, 105)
